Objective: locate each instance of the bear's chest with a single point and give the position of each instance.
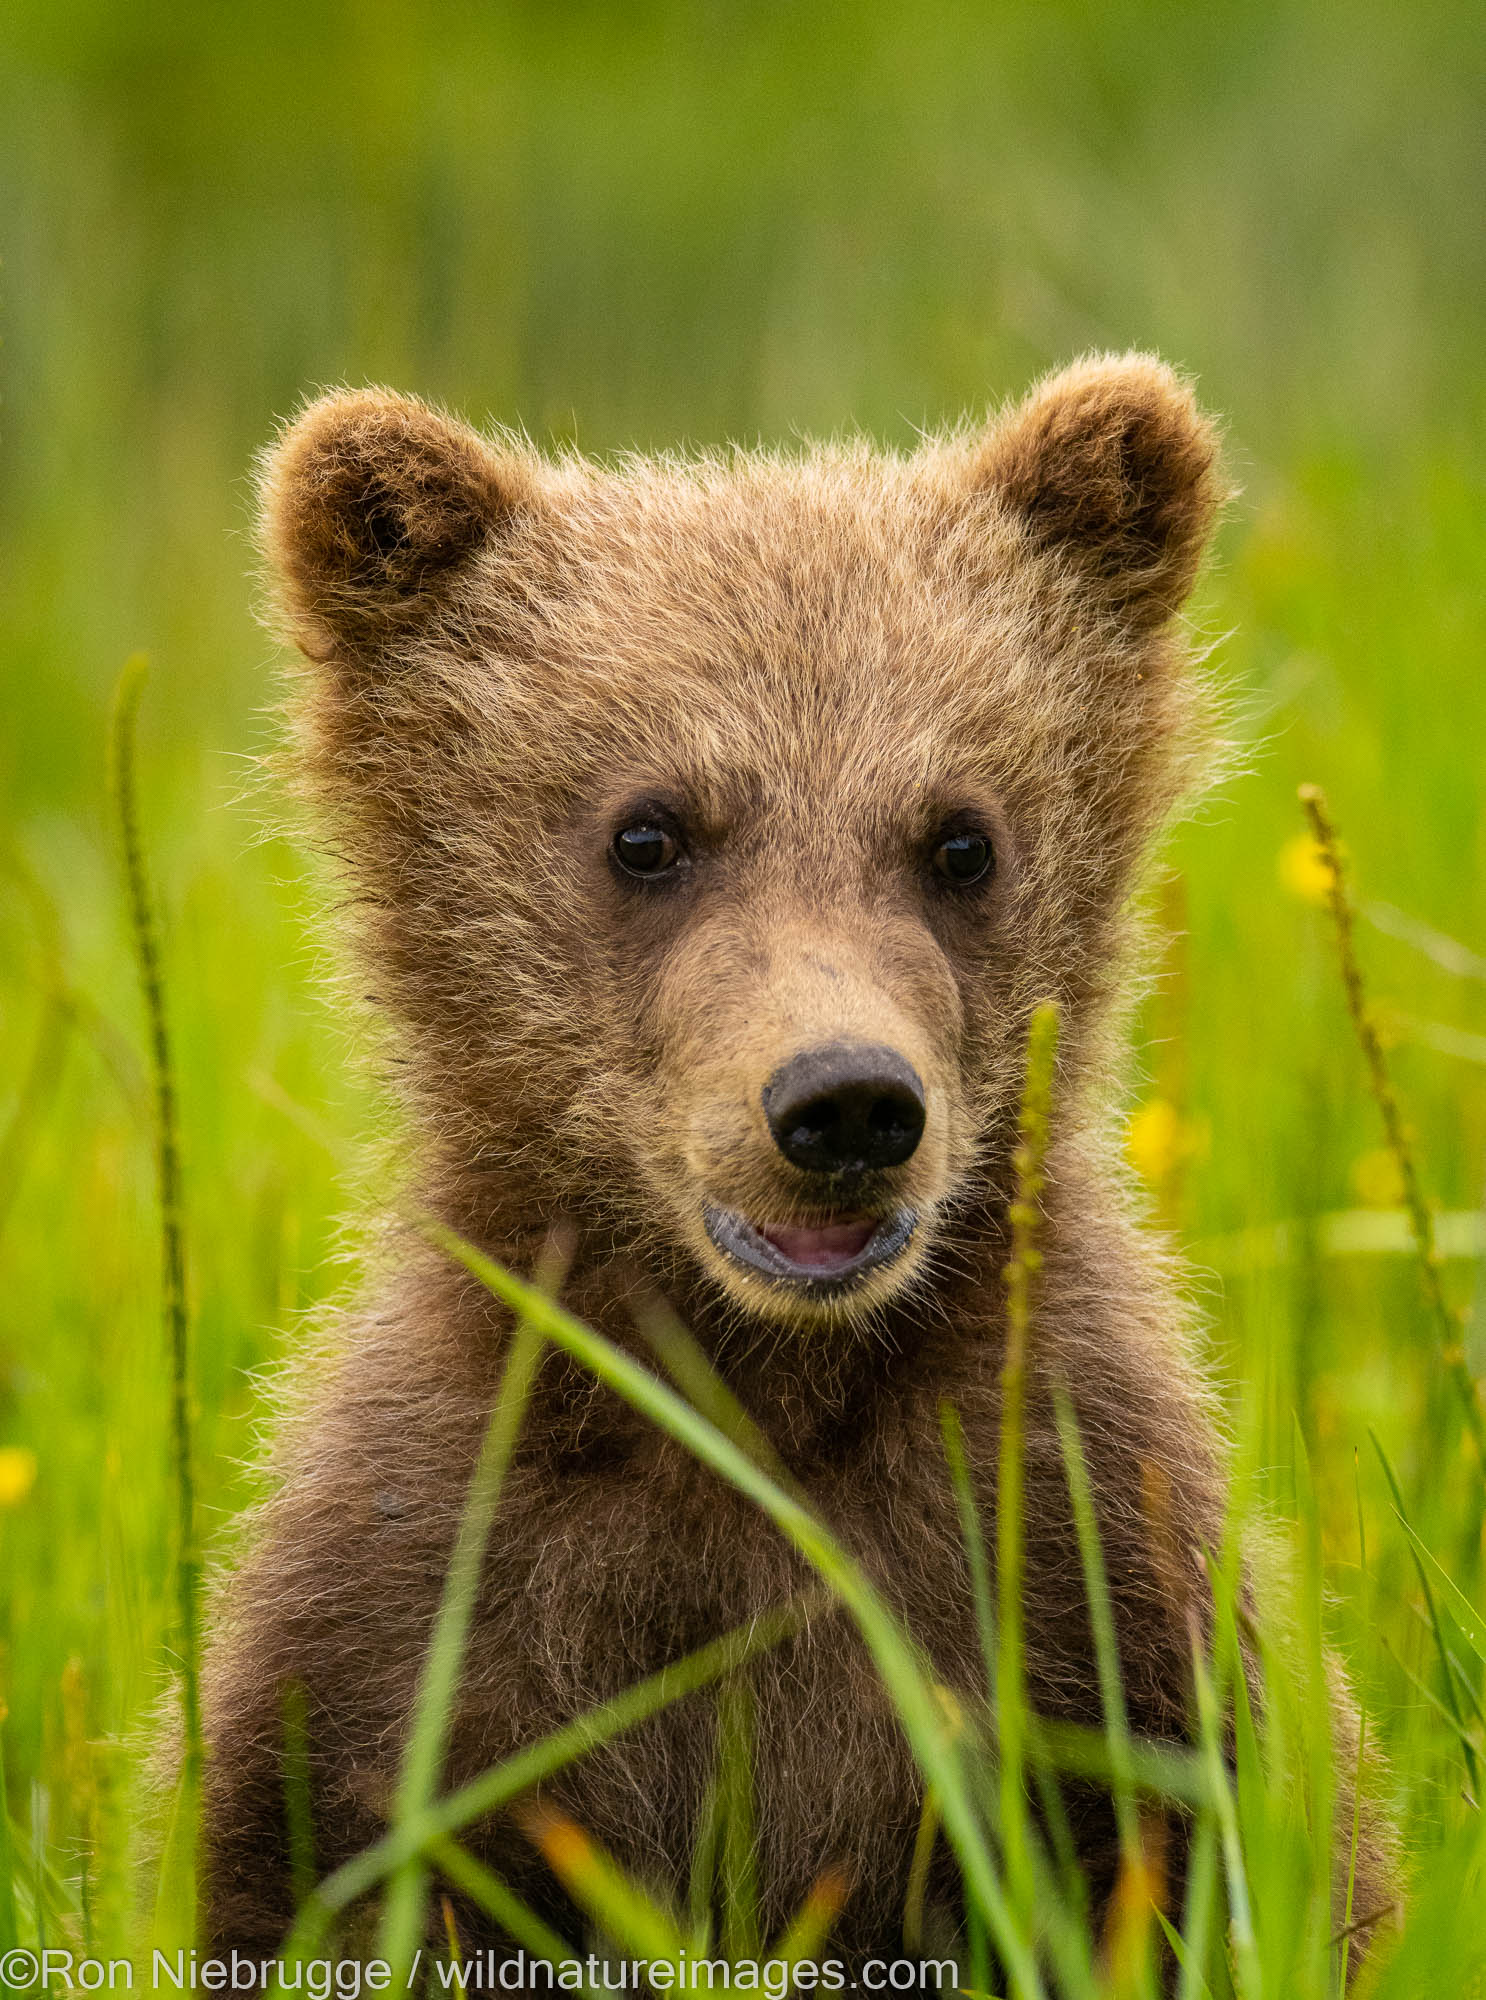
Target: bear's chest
(637, 1564)
(612, 1585)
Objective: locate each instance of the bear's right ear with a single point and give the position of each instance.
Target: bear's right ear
(367, 503)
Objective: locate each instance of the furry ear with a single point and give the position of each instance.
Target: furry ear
(367, 502)
(1112, 464)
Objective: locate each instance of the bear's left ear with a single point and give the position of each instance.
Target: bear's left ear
(369, 502)
(1112, 465)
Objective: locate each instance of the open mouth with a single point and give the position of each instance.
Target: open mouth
(827, 1257)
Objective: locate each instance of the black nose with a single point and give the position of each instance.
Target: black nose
(845, 1108)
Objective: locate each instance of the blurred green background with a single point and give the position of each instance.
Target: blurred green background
(648, 225)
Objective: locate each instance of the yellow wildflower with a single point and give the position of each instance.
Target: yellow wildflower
(1304, 869)
(1158, 1140)
(17, 1473)
(1153, 1140)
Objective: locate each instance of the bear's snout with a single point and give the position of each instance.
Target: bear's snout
(846, 1108)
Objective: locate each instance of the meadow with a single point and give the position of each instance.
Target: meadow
(649, 226)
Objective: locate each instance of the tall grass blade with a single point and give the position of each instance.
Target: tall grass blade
(1451, 1719)
(433, 1712)
(1064, 1858)
(1432, 1610)
(298, 1809)
(978, 1944)
(1472, 1624)
(1200, 1909)
(1359, 1771)
(973, 1538)
(806, 1932)
(1133, 1903)
(1210, 1737)
(737, 1858)
(918, 1873)
(674, 1346)
(1464, 1680)
(77, 1773)
(1187, 1963)
(1168, 1771)
(451, 1931)
(1106, 1646)
(1315, 1720)
(616, 1906)
(516, 1918)
(146, 939)
(176, 1874)
(702, 1876)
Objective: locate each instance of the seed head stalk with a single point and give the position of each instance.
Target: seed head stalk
(1421, 1218)
(1025, 1215)
(146, 937)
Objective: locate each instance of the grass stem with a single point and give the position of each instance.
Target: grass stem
(1021, 1273)
(1421, 1217)
(145, 934)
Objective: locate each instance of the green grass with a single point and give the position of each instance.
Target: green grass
(647, 224)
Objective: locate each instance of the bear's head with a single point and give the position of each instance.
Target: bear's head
(715, 825)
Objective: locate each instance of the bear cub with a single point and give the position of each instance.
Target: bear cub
(712, 829)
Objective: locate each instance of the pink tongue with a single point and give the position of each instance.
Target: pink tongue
(820, 1249)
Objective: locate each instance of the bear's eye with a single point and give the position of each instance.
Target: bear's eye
(645, 849)
(963, 858)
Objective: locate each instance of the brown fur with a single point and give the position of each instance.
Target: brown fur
(812, 662)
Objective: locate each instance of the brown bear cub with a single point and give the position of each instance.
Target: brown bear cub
(713, 828)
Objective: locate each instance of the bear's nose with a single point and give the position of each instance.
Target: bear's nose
(845, 1108)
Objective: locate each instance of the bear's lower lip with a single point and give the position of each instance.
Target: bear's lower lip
(816, 1260)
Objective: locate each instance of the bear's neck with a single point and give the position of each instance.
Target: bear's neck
(813, 1386)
